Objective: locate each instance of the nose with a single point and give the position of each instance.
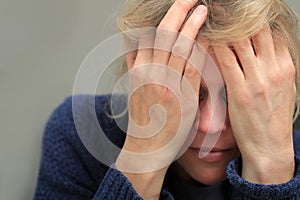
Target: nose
(213, 116)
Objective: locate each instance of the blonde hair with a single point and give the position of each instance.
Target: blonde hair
(228, 21)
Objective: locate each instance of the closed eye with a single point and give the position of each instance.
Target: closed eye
(223, 95)
(203, 94)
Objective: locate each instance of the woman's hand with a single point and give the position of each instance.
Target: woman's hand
(260, 84)
(164, 76)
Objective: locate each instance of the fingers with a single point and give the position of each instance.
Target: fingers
(173, 49)
(142, 61)
(145, 51)
(255, 59)
(187, 56)
(275, 58)
(194, 66)
(230, 69)
(285, 60)
(287, 75)
(264, 69)
(176, 14)
(247, 58)
(184, 44)
(264, 45)
(168, 29)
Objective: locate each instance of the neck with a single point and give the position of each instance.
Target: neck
(182, 176)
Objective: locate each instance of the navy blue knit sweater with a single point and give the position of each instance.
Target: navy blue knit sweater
(69, 171)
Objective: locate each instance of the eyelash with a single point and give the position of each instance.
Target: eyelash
(224, 96)
(203, 94)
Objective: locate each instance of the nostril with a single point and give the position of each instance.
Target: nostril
(214, 125)
(203, 125)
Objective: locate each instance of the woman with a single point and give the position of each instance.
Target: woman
(254, 45)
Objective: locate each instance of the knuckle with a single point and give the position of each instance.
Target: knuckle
(292, 72)
(162, 32)
(190, 70)
(164, 38)
(260, 88)
(228, 61)
(243, 45)
(180, 51)
(276, 77)
(140, 60)
(290, 68)
(135, 74)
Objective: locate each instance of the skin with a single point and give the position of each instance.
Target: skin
(260, 104)
(209, 171)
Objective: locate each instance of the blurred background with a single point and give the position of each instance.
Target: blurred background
(42, 45)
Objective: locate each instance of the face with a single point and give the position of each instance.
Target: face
(210, 169)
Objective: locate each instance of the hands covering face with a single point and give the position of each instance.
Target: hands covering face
(261, 97)
(260, 81)
(164, 89)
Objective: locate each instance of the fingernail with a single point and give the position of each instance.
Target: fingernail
(201, 9)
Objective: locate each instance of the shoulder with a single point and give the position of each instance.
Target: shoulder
(67, 164)
(82, 112)
(76, 123)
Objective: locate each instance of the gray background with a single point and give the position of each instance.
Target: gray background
(42, 44)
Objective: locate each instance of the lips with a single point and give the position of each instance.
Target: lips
(205, 149)
(212, 155)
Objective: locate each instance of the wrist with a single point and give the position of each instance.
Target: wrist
(147, 179)
(149, 184)
(272, 169)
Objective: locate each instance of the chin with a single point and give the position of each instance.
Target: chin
(209, 176)
(206, 173)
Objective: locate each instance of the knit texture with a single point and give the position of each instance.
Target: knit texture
(69, 171)
(243, 189)
(116, 187)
